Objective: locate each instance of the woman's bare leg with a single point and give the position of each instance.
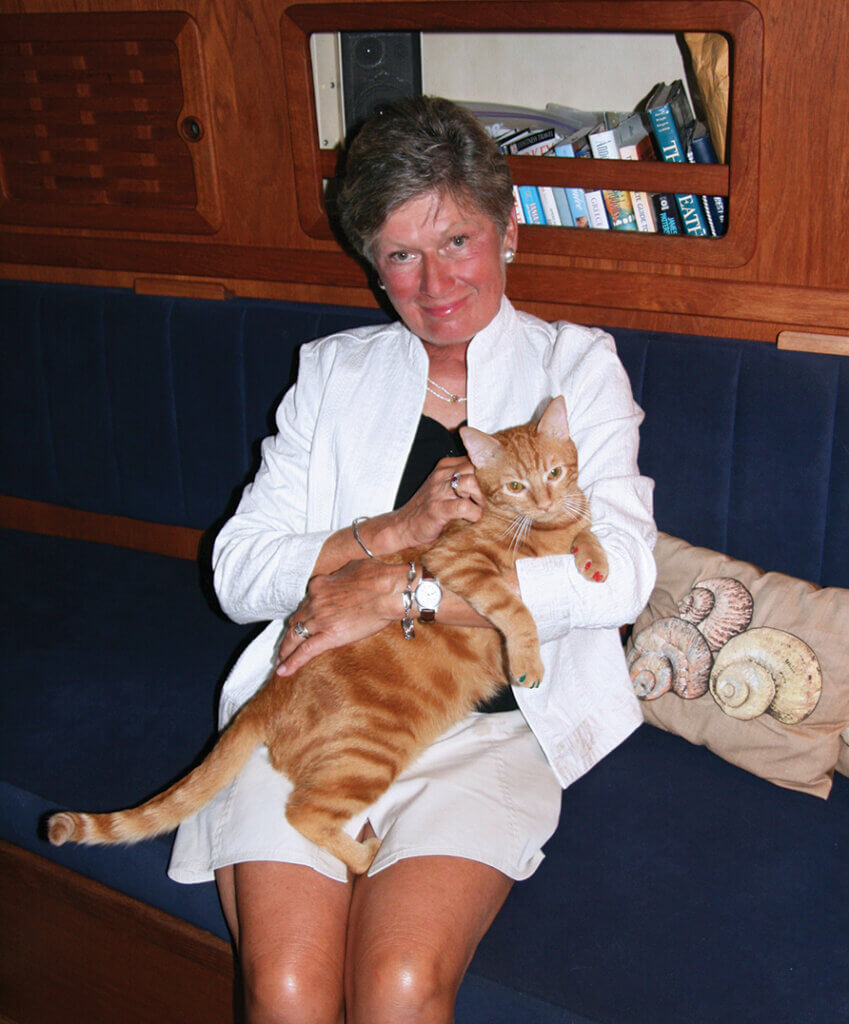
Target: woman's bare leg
(289, 924)
(412, 933)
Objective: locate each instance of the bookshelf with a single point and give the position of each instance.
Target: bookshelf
(735, 180)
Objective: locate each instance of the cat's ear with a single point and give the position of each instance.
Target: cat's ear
(554, 422)
(482, 448)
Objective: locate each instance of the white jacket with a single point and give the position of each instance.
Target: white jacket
(344, 434)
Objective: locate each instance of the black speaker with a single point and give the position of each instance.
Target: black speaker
(377, 68)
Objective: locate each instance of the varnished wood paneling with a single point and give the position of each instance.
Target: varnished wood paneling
(74, 950)
(783, 266)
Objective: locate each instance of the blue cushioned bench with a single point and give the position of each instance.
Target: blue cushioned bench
(678, 889)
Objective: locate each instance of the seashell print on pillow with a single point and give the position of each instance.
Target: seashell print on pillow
(777, 695)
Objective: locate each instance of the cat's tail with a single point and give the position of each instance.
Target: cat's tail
(164, 812)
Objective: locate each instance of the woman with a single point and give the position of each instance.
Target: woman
(428, 202)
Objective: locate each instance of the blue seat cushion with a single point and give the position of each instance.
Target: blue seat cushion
(119, 702)
(681, 888)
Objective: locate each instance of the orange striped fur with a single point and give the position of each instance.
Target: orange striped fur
(343, 727)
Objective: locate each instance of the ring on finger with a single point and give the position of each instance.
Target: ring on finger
(455, 480)
(300, 629)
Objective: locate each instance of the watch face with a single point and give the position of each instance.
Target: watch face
(428, 594)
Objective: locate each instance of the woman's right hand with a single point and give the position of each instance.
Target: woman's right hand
(421, 520)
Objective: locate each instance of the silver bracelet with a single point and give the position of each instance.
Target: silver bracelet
(407, 626)
(357, 537)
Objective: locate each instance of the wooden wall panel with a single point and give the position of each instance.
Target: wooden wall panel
(789, 269)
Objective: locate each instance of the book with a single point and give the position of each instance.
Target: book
(550, 210)
(531, 204)
(597, 210)
(669, 111)
(564, 208)
(635, 143)
(501, 119)
(604, 146)
(666, 214)
(576, 145)
(700, 150)
(517, 206)
(531, 143)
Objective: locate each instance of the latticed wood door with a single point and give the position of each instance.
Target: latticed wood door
(104, 123)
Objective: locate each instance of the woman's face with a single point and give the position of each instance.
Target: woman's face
(443, 267)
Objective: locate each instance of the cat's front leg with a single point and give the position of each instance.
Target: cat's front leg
(477, 579)
(590, 557)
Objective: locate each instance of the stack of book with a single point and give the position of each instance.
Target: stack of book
(662, 127)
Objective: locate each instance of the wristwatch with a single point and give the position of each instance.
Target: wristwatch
(428, 594)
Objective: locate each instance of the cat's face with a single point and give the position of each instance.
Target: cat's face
(530, 471)
(533, 480)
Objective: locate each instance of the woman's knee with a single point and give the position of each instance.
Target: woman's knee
(290, 990)
(402, 986)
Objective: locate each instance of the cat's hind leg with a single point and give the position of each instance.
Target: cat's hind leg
(317, 819)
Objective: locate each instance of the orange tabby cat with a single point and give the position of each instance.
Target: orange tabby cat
(347, 723)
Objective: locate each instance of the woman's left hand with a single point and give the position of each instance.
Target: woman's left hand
(354, 602)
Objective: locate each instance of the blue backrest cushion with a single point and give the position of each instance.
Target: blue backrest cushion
(154, 407)
(749, 447)
(144, 406)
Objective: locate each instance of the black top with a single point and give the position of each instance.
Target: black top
(432, 443)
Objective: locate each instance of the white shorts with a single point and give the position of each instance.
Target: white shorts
(483, 791)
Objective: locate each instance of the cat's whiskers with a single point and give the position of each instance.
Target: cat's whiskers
(520, 527)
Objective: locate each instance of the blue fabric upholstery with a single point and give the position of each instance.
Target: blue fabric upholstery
(677, 888)
(139, 405)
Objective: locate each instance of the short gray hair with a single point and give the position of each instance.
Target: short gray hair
(413, 147)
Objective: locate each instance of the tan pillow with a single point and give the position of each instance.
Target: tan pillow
(774, 650)
(843, 760)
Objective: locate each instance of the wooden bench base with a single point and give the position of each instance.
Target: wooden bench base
(73, 949)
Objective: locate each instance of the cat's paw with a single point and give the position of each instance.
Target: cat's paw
(590, 558)
(525, 665)
(360, 860)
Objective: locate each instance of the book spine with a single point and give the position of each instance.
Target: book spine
(669, 144)
(531, 204)
(517, 206)
(549, 205)
(617, 202)
(576, 197)
(701, 151)
(596, 210)
(641, 201)
(533, 143)
(666, 214)
(567, 220)
(643, 212)
(619, 209)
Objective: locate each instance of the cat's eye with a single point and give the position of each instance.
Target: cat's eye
(555, 473)
(516, 486)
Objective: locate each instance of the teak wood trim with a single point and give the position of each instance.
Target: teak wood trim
(740, 21)
(60, 521)
(803, 341)
(77, 950)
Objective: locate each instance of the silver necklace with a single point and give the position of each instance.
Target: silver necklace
(443, 394)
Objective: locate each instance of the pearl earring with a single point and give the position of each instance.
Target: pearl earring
(381, 285)
(509, 256)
